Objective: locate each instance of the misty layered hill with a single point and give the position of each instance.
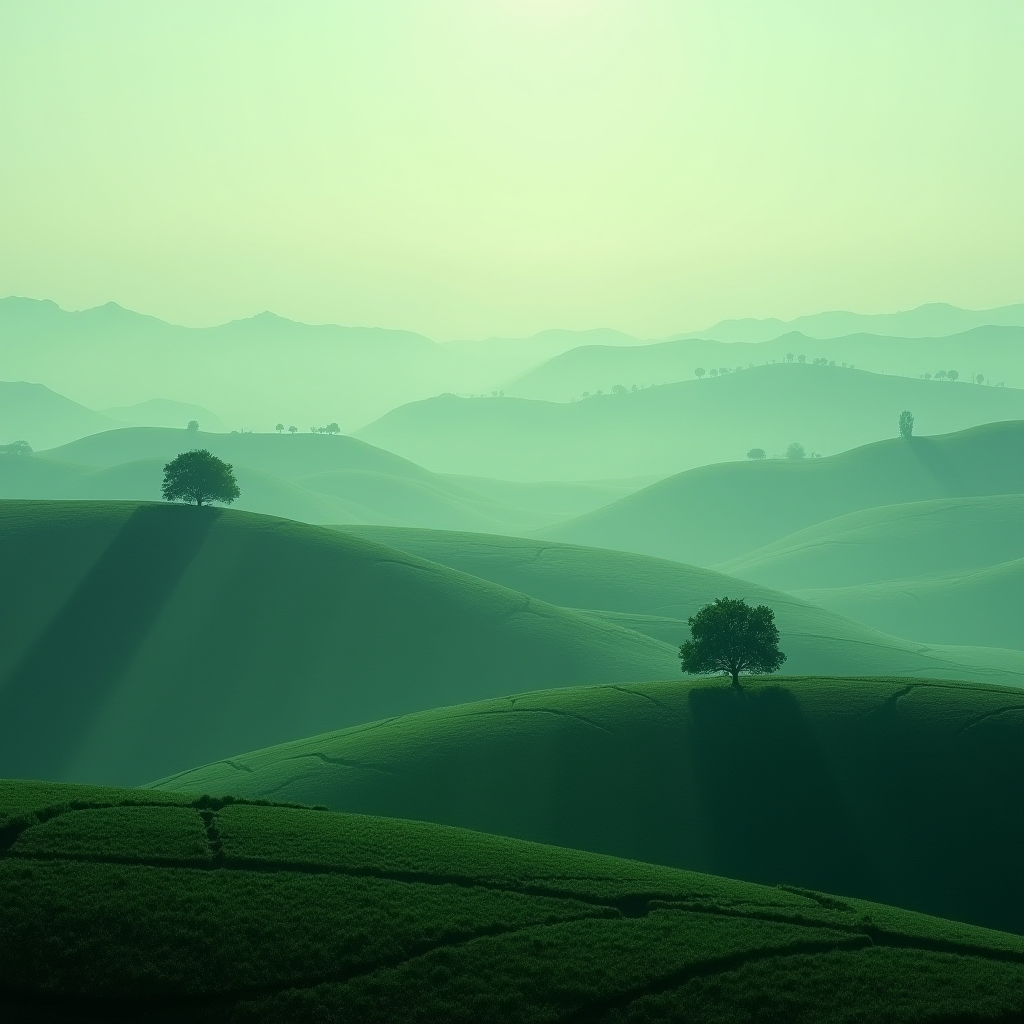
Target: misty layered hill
(996, 353)
(162, 412)
(678, 426)
(716, 513)
(258, 371)
(887, 789)
(313, 478)
(140, 639)
(33, 413)
(934, 319)
(655, 597)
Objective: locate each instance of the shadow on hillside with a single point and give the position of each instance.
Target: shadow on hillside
(69, 674)
(772, 810)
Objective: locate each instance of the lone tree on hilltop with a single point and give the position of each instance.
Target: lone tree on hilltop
(199, 477)
(906, 423)
(756, 454)
(193, 426)
(730, 636)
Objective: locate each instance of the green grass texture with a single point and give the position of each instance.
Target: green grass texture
(656, 596)
(981, 606)
(680, 426)
(137, 640)
(122, 905)
(903, 791)
(891, 542)
(309, 477)
(716, 513)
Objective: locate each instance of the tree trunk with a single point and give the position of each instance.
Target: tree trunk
(735, 676)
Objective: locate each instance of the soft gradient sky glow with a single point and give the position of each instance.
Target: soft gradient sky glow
(474, 167)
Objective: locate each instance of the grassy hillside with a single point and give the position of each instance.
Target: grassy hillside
(310, 477)
(656, 597)
(716, 513)
(890, 789)
(674, 427)
(980, 606)
(890, 542)
(995, 352)
(136, 640)
(122, 905)
(33, 413)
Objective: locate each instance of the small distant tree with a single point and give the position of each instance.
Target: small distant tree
(193, 426)
(714, 372)
(199, 477)
(979, 378)
(795, 451)
(619, 389)
(906, 423)
(332, 428)
(293, 430)
(927, 376)
(699, 372)
(279, 427)
(730, 636)
(789, 357)
(940, 375)
(16, 448)
(756, 454)
(801, 359)
(952, 375)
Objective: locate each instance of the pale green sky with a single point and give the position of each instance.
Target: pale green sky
(477, 167)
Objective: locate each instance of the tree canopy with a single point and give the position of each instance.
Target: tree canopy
(199, 477)
(906, 423)
(730, 636)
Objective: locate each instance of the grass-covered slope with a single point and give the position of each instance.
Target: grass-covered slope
(310, 477)
(656, 596)
(136, 640)
(716, 513)
(125, 906)
(983, 607)
(674, 427)
(897, 790)
(891, 542)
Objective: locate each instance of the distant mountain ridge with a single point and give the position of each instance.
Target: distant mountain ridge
(932, 319)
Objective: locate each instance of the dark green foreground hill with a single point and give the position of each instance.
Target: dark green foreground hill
(138, 640)
(145, 907)
(903, 791)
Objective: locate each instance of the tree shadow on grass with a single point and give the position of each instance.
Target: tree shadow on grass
(52, 697)
(772, 810)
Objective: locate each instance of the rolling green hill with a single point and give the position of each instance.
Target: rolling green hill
(656, 597)
(309, 477)
(979, 606)
(136, 640)
(710, 515)
(122, 905)
(890, 789)
(890, 542)
(995, 352)
(675, 427)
